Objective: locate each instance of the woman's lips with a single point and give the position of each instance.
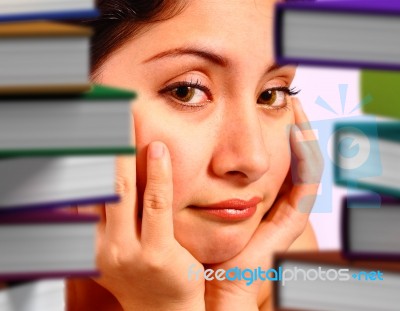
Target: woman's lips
(232, 209)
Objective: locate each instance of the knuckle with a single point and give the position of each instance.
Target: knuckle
(154, 261)
(123, 186)
(154, 199)
(154, 184)
(116, 259)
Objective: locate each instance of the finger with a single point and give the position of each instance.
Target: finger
(93, 209)
(157, 223)
(72, 209)
(302, 121)
(284, 222)
(289, 215)
(121, 216)
(306, 164)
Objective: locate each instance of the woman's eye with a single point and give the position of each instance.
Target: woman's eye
(187, 94)
(274, 98)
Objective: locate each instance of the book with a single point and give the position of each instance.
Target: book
(358, 34)
(47, 244)
(14, 10)
(47, 182)
(32, 295)
(326, 281)
(44, 57)
(380, 87)
(370, 227)
(95, 122)
(366, 156)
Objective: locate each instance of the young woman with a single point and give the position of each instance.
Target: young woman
(226, 170)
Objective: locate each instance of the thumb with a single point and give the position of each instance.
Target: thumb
(157, 224)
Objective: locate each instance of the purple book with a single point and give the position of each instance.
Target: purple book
(358, 34)
(370, 227)
(43, 244)
(57, 204)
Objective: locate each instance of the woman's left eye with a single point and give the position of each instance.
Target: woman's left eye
(188, 94)
(275, 98)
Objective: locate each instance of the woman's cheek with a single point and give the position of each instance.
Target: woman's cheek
(188, 144)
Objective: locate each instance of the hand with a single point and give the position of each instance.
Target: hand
(283, 224)
(141, 263)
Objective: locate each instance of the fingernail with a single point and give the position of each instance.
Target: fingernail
(156, 150)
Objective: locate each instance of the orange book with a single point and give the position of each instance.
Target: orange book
(44, 57)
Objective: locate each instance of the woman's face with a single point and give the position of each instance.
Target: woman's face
(204, 80)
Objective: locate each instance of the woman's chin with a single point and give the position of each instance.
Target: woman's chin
(215, 246)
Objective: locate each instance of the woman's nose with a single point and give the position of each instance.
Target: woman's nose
(241, 153)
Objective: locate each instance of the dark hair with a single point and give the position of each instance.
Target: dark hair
(122, 19)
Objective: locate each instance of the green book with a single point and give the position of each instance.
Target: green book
(95, 122)
(380, 90)
(367, 156)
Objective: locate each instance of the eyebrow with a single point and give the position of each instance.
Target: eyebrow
(205, 54)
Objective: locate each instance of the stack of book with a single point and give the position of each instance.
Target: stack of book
(365, 273)
(59, 137)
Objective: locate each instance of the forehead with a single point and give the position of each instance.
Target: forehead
(235, 25)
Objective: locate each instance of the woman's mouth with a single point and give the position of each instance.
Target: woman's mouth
(231, 209)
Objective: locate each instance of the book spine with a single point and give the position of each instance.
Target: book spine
(5, 210)
(330, 6)
(346, 222)
(67, 151)
(64, 15)
(49, 275)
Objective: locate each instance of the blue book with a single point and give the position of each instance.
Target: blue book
(367, 156)
(17, 10)
(358, 34)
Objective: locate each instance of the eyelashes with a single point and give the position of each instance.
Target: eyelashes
(188, 94)
(194, 95)
(276, 98)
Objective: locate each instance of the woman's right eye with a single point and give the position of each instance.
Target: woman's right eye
(188, 93)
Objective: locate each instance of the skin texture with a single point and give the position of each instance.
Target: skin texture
(229, 141)
(231, 147)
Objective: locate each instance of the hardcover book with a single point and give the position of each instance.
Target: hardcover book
(367, 156)
(95, 122)
(44, 182)
(14, 10)
(370, 227)
(33, 295)
(47, 244)
(326, 281)
(381, 87)
(44, 57)
(338, 33)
